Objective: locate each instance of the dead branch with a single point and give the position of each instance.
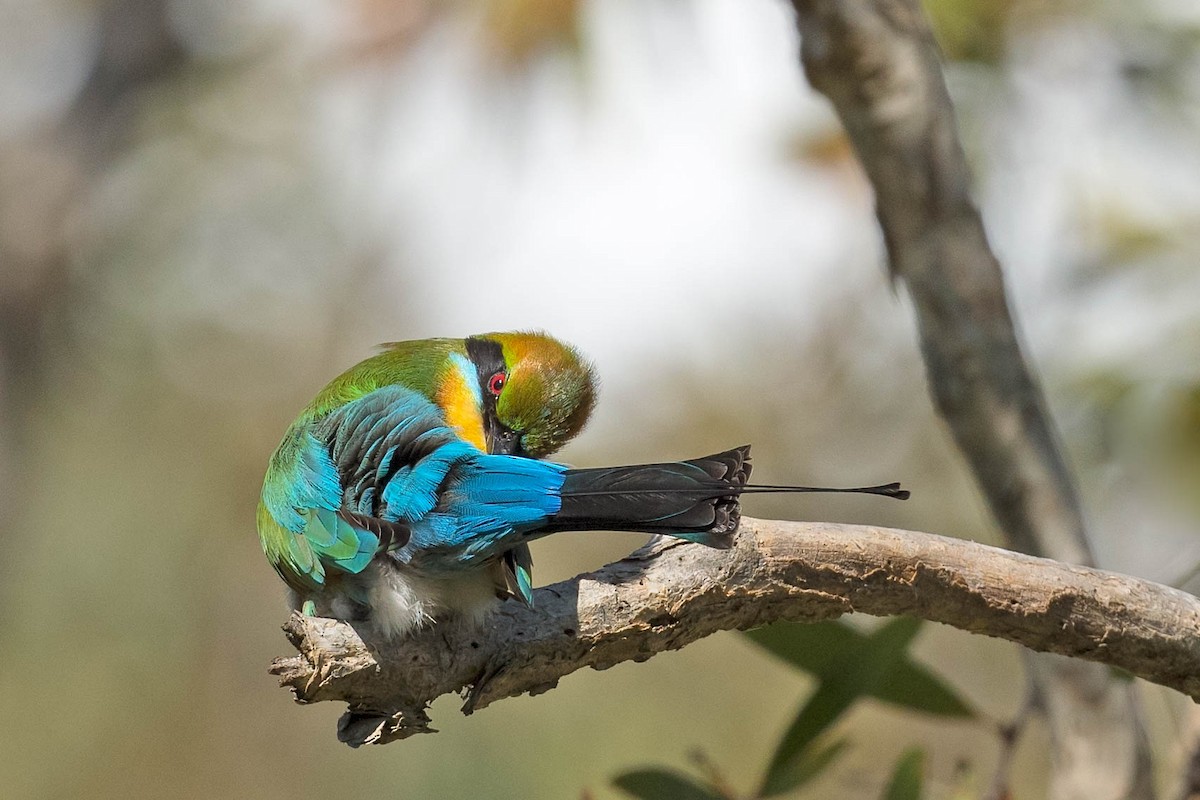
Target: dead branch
(670, 594)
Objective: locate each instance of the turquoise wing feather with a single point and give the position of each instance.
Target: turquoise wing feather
(489, 506)
(340, 487)
(339, 484)
(301, 530)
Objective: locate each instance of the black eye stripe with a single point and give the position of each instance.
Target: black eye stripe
(488, 358)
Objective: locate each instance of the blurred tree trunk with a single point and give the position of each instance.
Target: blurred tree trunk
(879, 65)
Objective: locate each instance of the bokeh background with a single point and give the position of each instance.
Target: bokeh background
(207, 209)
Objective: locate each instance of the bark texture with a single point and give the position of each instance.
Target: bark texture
(877, 62)
(670, 594)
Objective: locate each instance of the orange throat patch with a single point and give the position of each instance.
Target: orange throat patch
(459, 401)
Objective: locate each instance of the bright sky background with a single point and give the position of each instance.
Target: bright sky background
(674, 200)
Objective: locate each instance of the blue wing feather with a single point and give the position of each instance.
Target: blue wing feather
(487, 507)
(389, 455)
(303, 534)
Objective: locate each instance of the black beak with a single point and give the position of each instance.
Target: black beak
(502, 441)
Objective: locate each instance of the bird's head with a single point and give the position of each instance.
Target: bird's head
(533, 393)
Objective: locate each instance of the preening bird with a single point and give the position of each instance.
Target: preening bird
(408, 490)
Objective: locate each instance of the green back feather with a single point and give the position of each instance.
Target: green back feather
(419, 365)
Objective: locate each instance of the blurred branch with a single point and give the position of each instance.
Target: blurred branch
(1190, 746)
(879, 65)
(1010, 735)
(668, 595)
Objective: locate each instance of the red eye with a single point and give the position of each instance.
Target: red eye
(496, 383)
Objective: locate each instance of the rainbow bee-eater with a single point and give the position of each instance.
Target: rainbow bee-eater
(408, 490)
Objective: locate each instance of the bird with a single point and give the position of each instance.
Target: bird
(408, 490)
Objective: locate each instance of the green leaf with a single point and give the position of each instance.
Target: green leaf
(912, 686)
(822, 709)
(856, 671)
(907, 777)
(662, 784)
(807, 765)
(815, 648)
(1118, 674)
(810, 646)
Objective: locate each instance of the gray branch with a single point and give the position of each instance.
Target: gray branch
(670, 594)
(877, 62)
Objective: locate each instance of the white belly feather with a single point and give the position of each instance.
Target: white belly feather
(402, 601)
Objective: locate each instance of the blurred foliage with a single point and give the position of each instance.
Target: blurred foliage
(906, 780)
(974, 30)
(820, 649)
(662, 784)
(848, 666)
(854, 671)
(521, 29)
